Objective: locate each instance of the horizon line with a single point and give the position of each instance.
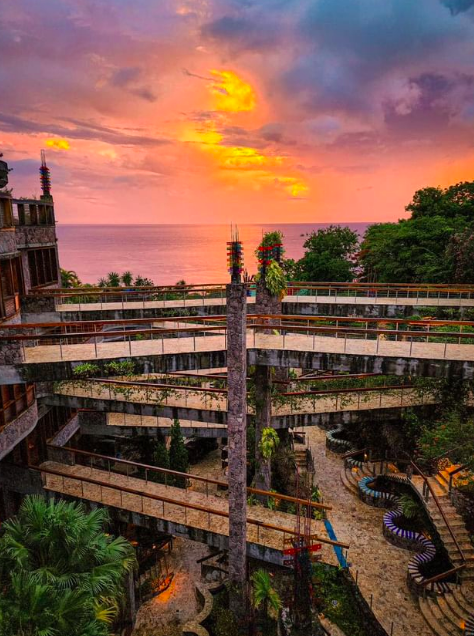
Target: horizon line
(225, 224)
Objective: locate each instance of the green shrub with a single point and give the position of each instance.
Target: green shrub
(86, 370)
(125, 368)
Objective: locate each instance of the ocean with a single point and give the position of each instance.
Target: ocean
(168, 253)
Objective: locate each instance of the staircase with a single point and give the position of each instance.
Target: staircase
(351, 475)
(440, 487)
(449, 614)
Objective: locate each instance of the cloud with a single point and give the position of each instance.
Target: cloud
(232, 94)
(240, 33)
(357, 58)
(129, 79)
(58, 144)
(458, 6)
(78, 130)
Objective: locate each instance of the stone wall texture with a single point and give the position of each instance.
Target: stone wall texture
(14, 432)
(35, 236)
(7, 242)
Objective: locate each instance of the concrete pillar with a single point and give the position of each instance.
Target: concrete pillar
(263, 419)
(268, 304)
(265, 302)
(237, 445)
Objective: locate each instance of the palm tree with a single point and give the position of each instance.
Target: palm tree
(264, 594)
(102, 282)
(127, 278)
(113, 279)
(61, 574)
(143, 282)
(69, 278)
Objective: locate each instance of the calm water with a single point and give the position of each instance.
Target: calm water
(168, 253)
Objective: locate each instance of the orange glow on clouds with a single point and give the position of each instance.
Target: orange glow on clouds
(58, 144)
(232, 94)
(242, 166)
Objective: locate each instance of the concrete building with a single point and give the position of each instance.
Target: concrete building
(28, 261)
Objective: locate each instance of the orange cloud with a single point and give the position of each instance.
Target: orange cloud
(231, 93)
(58, 144)
(246, 166)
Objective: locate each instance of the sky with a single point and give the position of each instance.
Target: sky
(244, 111)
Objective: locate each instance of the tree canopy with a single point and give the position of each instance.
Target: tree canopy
(433, 246)
(60, 573)
(330, 255)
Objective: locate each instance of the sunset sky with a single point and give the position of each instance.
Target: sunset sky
(211, 111)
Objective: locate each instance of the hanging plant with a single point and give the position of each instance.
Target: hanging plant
(275, 280)
(268, 442)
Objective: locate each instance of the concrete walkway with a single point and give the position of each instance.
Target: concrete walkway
(382, 568)
(213, 343)
(219, 302)
(393, 397)
(267, 542)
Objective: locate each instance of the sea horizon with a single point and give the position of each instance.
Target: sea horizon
(168, 252)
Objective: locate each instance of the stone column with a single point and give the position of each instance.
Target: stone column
(265, 303)
(237, 445)
(263, 419)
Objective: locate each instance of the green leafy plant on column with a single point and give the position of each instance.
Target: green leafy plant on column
(264, 594)
(268, 442)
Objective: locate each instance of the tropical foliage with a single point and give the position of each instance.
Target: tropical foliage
(264, 595)
(161, 459)
(453, 434)
(69, 278)
(114, 279)
(268, 442)
(272, 273)
(330, 255)
(61, 575)
(410, 506)
(433, 246)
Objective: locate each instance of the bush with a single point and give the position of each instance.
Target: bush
(225, 624)
(126, 368)
(86, 370)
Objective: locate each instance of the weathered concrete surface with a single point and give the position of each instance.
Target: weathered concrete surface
(263, 419)
(356, 355)
(30, 236)
(353, 363)
(8, 242)
(17, 430)
(237, 443)
(125, 425)
(133, 407)
(138, 312)
(68, 431)
(174, 518)
(63, 370)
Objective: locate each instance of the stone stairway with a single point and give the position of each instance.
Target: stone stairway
(351, 475)
(451, 613)
(300, 455)
(447, 614)
(440, 487)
